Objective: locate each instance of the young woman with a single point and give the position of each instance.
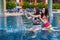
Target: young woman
(35, 18)
(45, 18)
(36, 21)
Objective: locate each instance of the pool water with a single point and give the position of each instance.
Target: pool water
(16, 29)
(56, 20)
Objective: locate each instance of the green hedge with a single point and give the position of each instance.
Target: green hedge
(40, 5)
(27, 5)
(10, 5)
(56, 6)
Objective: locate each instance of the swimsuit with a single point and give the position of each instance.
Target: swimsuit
(36, 21)
(35, 24)
(46, 25)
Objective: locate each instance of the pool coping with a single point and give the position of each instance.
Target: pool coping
(56, 10)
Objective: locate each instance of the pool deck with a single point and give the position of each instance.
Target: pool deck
(56, 10)
(19, 14)
(13, 14)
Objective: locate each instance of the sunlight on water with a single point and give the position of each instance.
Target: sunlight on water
(17, 29)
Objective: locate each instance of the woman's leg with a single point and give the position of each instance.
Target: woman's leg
(33, 28)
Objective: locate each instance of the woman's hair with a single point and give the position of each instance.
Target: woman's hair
(46, 13)
(37, 11)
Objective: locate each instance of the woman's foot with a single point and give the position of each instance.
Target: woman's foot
(33, 34)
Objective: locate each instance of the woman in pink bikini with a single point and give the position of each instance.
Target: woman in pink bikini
(44, 17)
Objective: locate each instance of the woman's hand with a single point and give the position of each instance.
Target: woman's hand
(39, 16)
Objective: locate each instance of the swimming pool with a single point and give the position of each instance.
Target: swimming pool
(15, 29)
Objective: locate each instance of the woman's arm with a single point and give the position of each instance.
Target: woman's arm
(48, 17)
(27, 16)
(34, 16)
(42, 19)
(31, 15)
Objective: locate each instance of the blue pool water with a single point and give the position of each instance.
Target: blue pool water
(15, 29)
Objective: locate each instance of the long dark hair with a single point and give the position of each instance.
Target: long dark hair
(37, 11)
(46, 13)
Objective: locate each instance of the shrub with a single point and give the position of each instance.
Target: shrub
(56, 6)
(27, 5)
(41, 5)
(10, 5)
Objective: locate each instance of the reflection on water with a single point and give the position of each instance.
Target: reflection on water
(56, 20)
(1, 23)
(16, 30)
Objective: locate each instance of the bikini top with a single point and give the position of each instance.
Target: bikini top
(44, 17)
(36, 21)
